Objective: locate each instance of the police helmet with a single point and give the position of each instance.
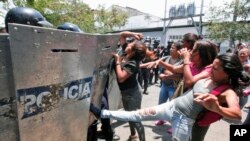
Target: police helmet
(27, 16)
(147, 39)
(70, 27)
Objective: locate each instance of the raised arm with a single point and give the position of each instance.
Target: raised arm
(189, 78)
(148, 64)
(125, 34)
(172, 68)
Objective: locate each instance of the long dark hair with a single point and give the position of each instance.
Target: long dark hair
(233, 68)
(178, 45)
(207, 51)
(191, 38)
(140, 51)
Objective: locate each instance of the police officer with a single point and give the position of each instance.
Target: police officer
(27, 16)
(106, 131)
(143, 75)
(70, 27)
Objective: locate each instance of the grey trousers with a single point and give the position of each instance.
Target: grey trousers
(131, 100)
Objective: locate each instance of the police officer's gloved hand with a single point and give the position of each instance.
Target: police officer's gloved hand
(95, 110)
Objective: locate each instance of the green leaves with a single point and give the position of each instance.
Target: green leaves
(230, 22)
(79, 13)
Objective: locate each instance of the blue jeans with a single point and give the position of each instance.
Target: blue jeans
(182, 127)
(181, 124)
(166, 92)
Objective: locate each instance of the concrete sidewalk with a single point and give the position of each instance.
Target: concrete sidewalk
(218, 131)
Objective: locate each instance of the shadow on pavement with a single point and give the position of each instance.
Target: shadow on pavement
(160, 132)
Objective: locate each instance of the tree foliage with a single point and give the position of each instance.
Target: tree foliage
(230, 22)
(107, 20)
(79, 13)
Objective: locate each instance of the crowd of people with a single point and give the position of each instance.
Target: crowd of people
(194, 61)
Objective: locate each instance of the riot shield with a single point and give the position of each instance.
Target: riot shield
(114, 91)
(106, 44)
(53, 73)
(8, 113)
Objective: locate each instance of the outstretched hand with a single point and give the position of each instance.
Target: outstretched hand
(151, 65)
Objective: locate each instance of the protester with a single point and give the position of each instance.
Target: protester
(198, 133)
(245, 89)
(239, 46)
(189, 39)
(126, 68)
(183, 111)
(201, 57)
(243, 55)
(196, 62)
(169, 81)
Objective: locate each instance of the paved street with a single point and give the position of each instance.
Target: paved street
(218, 131)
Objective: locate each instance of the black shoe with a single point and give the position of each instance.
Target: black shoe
(95, 110)
(108, 136)
(145, 92)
